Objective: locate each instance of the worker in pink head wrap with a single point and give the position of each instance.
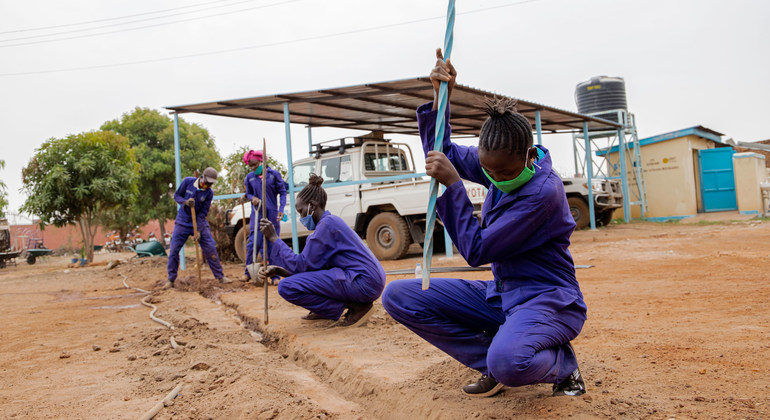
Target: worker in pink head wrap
(276, 187)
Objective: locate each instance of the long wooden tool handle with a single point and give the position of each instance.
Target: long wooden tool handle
(197, 248)
(443, 100)
(264, 216)
(244, 226)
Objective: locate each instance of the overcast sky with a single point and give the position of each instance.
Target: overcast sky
(685, 62)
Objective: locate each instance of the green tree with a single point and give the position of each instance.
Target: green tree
(76, 179)
(3, 192)
(151, 135)
(121, 219)
(236, 171)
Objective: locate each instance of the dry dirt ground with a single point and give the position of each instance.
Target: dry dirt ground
(679, 327)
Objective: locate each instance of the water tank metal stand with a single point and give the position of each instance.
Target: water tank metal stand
(627, 148)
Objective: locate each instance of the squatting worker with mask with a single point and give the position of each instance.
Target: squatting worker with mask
(276, 188)
(335, 270)
(194, 192)
(516, 329)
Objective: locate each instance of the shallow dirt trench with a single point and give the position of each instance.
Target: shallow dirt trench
(678, 327)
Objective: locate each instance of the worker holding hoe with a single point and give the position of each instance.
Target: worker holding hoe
(194, 193)
(334, 272)
(276, 189)
(516, 329)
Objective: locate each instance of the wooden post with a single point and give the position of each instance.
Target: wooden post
(246, 236)
(197, 248)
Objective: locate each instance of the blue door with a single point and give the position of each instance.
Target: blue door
(716, 179)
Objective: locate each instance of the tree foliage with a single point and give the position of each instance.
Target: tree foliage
(122, 219)
(3, 192)
(77, 178)
(151, 135)
(237, 170)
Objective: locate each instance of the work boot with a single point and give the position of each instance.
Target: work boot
(168, 285)
(224, 280)
(312, 316)
(572, 386)
(357, 314)
(245, 278)
(486, 386)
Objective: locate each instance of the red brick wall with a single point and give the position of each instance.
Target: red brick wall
(740, 149)
(69, 237)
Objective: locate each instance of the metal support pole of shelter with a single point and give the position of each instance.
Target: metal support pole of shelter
(623, 175)
(589, 176)
(178, 167)
(575, 157)
(310, 140)
(448, 250)
(539, 128)
(287, 124)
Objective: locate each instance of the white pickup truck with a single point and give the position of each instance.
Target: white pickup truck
(388, 215)
(608, 197)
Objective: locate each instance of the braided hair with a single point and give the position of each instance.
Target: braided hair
(505, 128)
(313, 191)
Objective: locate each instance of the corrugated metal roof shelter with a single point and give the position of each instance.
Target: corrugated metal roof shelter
(388, 107)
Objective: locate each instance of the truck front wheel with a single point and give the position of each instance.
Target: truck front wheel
(240, 245)
(579, 209)
(605, 218)
(388, 236)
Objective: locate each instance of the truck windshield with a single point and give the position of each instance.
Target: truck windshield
(336, 169)
(302, 173)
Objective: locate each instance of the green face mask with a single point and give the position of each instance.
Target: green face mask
(513, 184)
(258, 171)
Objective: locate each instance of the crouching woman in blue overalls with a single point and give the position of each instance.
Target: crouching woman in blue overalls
(333, 272)
(515, 330)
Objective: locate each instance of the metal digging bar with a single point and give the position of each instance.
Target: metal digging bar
(430, 223)
(264, 216)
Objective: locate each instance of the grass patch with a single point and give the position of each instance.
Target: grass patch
(712, 222)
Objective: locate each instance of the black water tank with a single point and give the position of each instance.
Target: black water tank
(601, 93)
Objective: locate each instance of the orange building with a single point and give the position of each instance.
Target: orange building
(68, 237)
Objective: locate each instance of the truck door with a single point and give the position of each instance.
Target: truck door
(341, 200)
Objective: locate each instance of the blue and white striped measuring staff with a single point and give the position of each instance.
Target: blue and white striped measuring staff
(430, 223)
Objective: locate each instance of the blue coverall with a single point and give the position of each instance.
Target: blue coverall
(276, 187)
(517, 327)
(183, 227)
(334, 268)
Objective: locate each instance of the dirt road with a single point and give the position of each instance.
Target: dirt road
(679, 327)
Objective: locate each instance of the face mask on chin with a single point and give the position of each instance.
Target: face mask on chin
(308, 221)
(512, 184)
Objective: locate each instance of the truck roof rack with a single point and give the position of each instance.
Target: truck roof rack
(339, 145)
